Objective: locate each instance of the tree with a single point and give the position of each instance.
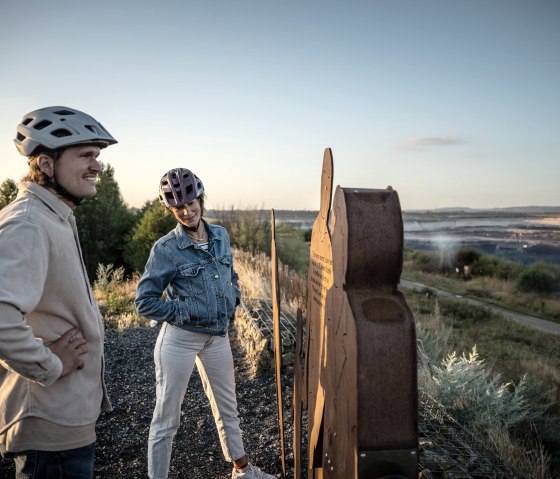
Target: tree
(104, 224)
(153, 224)
(8, 192)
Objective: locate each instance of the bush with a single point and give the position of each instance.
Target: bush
(465, 314)
(492, 266)
(467, 256)
(483, 403)
(115, 297)
(426, 262)
(249, 230)
(536, 280)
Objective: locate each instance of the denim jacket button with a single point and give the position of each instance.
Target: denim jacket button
(217, 276)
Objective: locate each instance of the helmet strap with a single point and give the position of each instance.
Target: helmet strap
(52, 183)
(193, 229)
(60, 190)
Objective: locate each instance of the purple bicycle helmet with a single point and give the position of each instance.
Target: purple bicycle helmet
(178, 187)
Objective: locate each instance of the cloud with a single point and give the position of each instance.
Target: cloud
(430, 142)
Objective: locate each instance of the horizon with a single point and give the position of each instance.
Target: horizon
(449, 103)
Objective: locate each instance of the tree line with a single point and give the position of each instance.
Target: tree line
(113, 233)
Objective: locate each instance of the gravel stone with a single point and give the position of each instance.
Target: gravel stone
(122, 435)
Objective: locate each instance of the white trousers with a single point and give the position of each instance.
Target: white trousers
(175, 355)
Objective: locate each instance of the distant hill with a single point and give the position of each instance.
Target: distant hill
(510, 209)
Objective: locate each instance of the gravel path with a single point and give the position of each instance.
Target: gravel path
(123, 433)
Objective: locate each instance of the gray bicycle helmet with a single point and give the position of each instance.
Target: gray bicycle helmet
(178, 187)
(57, 127)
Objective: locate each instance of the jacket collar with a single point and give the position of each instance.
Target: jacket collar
(53, 202)
(184, 240)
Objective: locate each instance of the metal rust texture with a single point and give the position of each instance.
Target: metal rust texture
(369, 358)
(277, 341)
(319, 284)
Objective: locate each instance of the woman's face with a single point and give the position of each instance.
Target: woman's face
(189, 214)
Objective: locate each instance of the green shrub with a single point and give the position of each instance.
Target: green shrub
(108, 278)
(467, 256)
(479, 401)
(425, 261)
(465, 314)
(492, 266)
(539, 278)
(249, 230)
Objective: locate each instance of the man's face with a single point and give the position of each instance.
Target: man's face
(77, 169)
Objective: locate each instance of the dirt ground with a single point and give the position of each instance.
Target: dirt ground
(122, 434)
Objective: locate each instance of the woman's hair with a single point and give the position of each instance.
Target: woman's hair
(200, 199)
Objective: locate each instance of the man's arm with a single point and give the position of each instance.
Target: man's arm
(22, 352)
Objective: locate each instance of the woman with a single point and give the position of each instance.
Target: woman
(193, 265)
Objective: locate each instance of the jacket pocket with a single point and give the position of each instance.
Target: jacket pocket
(192, 287)
(225, 265)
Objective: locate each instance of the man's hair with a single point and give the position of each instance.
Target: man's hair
(36, 175)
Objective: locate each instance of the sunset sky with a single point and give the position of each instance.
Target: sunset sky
(453, 103)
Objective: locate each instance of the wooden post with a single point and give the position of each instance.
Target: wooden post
(299, 362)
(319, 283)
(277, 342)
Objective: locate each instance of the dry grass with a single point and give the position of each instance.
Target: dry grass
(529, 457)
(255, 280)
(255, 345)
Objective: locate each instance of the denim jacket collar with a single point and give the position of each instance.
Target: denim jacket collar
(184, 240)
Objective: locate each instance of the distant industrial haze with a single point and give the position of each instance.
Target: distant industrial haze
(453, 104)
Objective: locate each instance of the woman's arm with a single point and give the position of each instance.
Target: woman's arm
(159, 273)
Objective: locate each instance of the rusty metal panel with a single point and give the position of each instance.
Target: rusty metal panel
(371, 411)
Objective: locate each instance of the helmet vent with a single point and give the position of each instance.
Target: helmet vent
(61, 133)
(42, 124)
(64, 112)
(58, 127)
(179, 187)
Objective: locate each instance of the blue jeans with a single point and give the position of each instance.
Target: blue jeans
(175, 355)
(71, 464)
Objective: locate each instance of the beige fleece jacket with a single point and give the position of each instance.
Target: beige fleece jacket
(44, 292)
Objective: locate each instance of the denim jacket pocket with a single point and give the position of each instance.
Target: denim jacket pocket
(193, 287)
(225, 265)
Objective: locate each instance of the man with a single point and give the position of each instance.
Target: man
(51, 334)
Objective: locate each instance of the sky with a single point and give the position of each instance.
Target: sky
(452, 103)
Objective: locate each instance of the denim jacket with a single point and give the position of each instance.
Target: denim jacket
(201, 286)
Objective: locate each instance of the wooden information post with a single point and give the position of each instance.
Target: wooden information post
(361, 355)
(319, 285)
